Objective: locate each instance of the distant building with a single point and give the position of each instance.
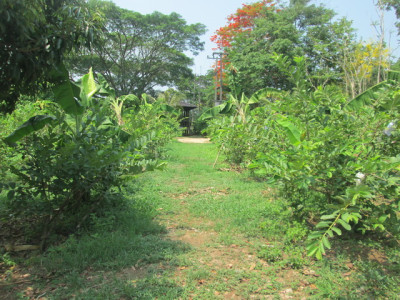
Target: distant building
(186, 119)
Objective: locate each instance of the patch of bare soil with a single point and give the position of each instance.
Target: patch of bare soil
(223, 258)
(193, 140)
(194, 192)
(13, 279)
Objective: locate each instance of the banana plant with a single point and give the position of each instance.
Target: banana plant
(241, 105)
(371, 95)
(73, 98)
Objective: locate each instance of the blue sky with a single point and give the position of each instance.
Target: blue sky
(213, 14)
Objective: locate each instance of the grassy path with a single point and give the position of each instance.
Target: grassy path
(221, 216)
(198, 232)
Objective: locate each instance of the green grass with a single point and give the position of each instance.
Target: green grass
(194, 231)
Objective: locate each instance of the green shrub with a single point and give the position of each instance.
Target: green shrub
(72, 162)
(329, 158)
(155, 118)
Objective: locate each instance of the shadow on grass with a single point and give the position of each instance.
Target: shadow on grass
(124, 257)
(370, 270)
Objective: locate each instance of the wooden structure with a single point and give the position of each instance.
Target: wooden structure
(186, 120)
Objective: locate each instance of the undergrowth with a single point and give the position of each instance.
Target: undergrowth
(129, 252)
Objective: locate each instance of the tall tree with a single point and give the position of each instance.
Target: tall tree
(140, 52)
(292, 30)
(34, 37)
(243, 20)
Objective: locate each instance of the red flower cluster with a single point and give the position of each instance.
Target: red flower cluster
(241, 21)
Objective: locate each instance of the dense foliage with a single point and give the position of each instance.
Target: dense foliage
(139, 52)
(148, 115)
(311, 110)
(314, 112)
(255, 33)
(73, 168)
(332, 159)
(34, 37)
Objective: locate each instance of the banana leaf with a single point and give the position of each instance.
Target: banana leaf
(369, 96)
(88, 88)
(291, 130)
(265, 93)
(66, 93)
(33, 124)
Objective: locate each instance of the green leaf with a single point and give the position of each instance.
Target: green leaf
(394, 76)
(337, 230)
(326, 243)
(382, 218)
(368, 97)
(344, 224)
(365, 98)
(292, 131)
(322, 248)
(312, 249)
(346, 217)
(105, 88)
(323, 225)
(66, 93)
(88, 87)
(315, 235)
(380, 226)
(318, 254)
(265, 93)
(226, 107)
(210, 113)
(33, 124)
(328, 217)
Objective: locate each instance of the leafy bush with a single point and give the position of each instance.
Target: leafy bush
(329, 157)
(236, 130)
(199, 125)
(156, 118)
(25, 109)
(71, 168)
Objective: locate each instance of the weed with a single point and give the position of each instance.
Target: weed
(296, 232)
(198, 274)
(271, 253)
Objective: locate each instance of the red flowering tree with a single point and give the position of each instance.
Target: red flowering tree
(243, 20)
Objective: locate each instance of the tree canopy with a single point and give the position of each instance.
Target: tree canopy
(139, 52)
(34, 37)
(292, 30)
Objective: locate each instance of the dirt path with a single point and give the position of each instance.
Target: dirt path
(193, 140)
(223, 263)
(216, 270)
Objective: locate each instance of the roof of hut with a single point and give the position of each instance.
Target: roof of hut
(187, 105)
